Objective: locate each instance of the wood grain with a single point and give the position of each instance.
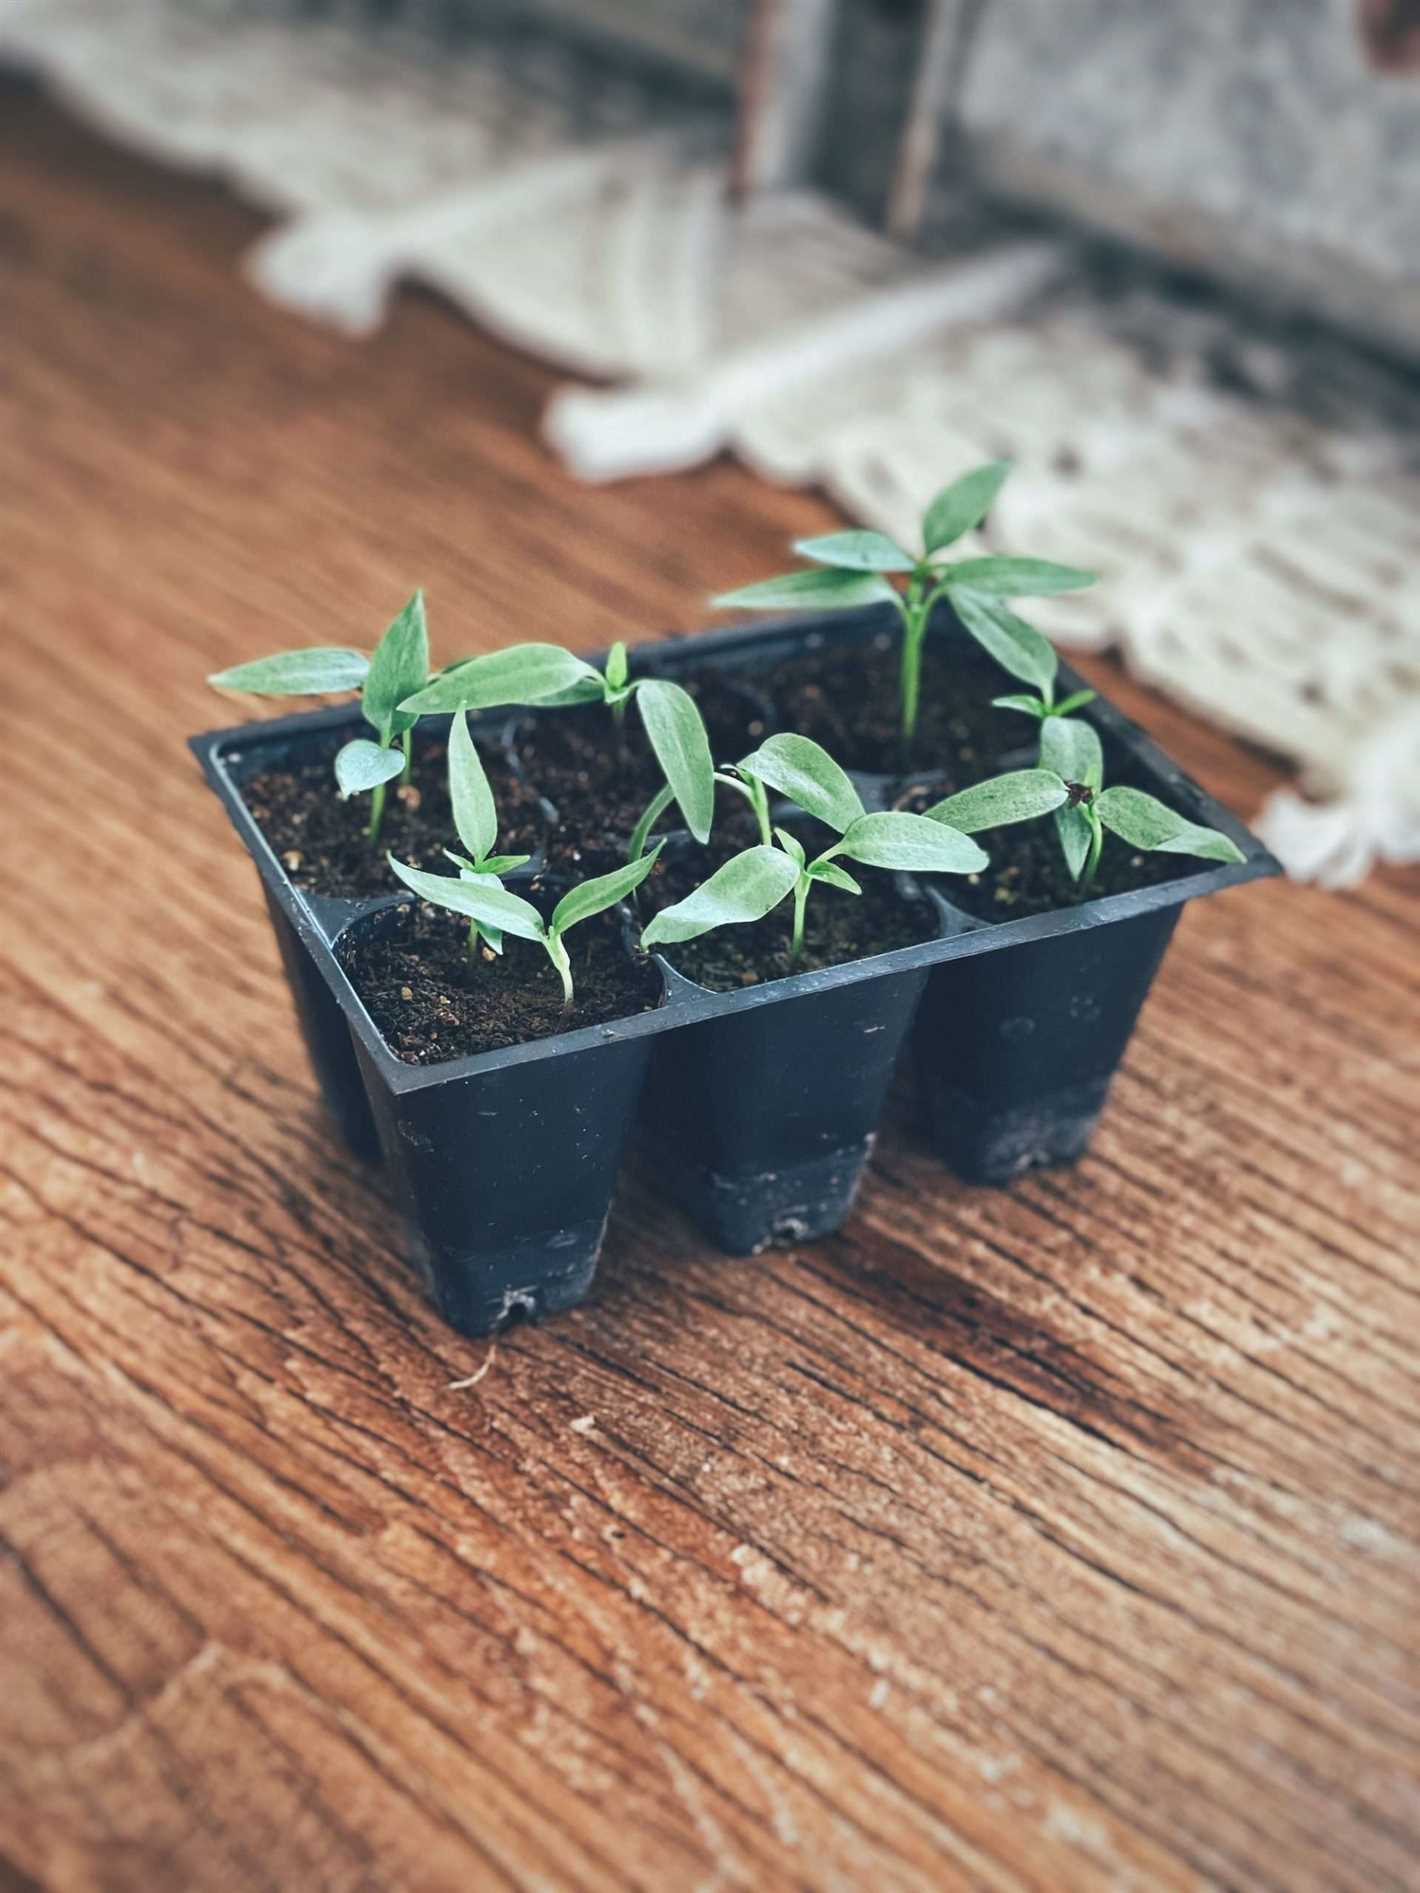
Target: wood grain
(1057, 1537)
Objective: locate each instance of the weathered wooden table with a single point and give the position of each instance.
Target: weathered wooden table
(1059, 1537)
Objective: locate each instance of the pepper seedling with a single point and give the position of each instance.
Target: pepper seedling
(482, 899)
(545, 676)
(1070, 784)
(398, 665)
(859, 568)
(476, 825)
(753, 883)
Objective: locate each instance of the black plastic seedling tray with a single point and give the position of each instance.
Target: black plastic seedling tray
(762, 1102)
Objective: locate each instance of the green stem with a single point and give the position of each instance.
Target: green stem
(1092, 859)
(557, 953)
(407, 744)
(759, 802)
(755, 793)
(473, 938)
(915, 627)
(377, 812)
(655, 809)
(801, 901)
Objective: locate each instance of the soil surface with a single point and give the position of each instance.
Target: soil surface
(839, 926)
(432, 1002)
(1027, 872)
(600, 784)
(849, 701)
(321, 842)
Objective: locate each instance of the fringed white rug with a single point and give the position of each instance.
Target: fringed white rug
(1260, 544)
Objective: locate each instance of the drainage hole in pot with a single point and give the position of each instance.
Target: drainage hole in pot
(432, 1002)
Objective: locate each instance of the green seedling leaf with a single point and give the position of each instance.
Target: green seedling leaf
(1076, 701)
(1031, 706)
(502, 863)
(1076, 833)
(856, 552)
(524, 673)
(362, 765)
(821, 586)
(398, 668)
(803, 771)
(1072, 749)
(601, 892)
(479, 897)
(1020, 796)
(792, 846)
(324, 670)
(475, 817)
(1017, 578)
(1016, 646)
(677, 734)
(963, 504)
(834, 875)
(745, 889)
(912, 843)
(1144, 822)
(616, 666)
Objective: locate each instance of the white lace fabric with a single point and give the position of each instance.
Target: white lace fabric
(1259, 563)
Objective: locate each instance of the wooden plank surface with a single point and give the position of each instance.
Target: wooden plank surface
(1057, 1537)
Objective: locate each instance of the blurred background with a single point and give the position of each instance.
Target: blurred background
(1166, 258)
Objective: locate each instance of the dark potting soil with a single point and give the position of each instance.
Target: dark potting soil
(600, 785)
(321, 842)
(839, 927)
(849, 702)
(432, 1002)
(1027, 872)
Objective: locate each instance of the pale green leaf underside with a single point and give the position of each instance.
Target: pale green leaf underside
(745, 889)
(1030, 706)
(362, 765)
(1018, 578)
(677, 735)
(913, 844)
(963, 504)
(1020, 796)
(524, 673)
(603, 891)
(1144, 822)
(475, 816)
(792, 846)
(835, 876)
(1072, 749)
(323, 670)
(803, 770)
(856, 552)
(398, 667)
(1072, 825)
(797, 591)
(1016, 646)
(477, 898)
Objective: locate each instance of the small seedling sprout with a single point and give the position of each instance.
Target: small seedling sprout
(863, 568)
(483, 900)
(545, 676)
(753, 883)
(476, 824)
(398, 666)
(1070, 785)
